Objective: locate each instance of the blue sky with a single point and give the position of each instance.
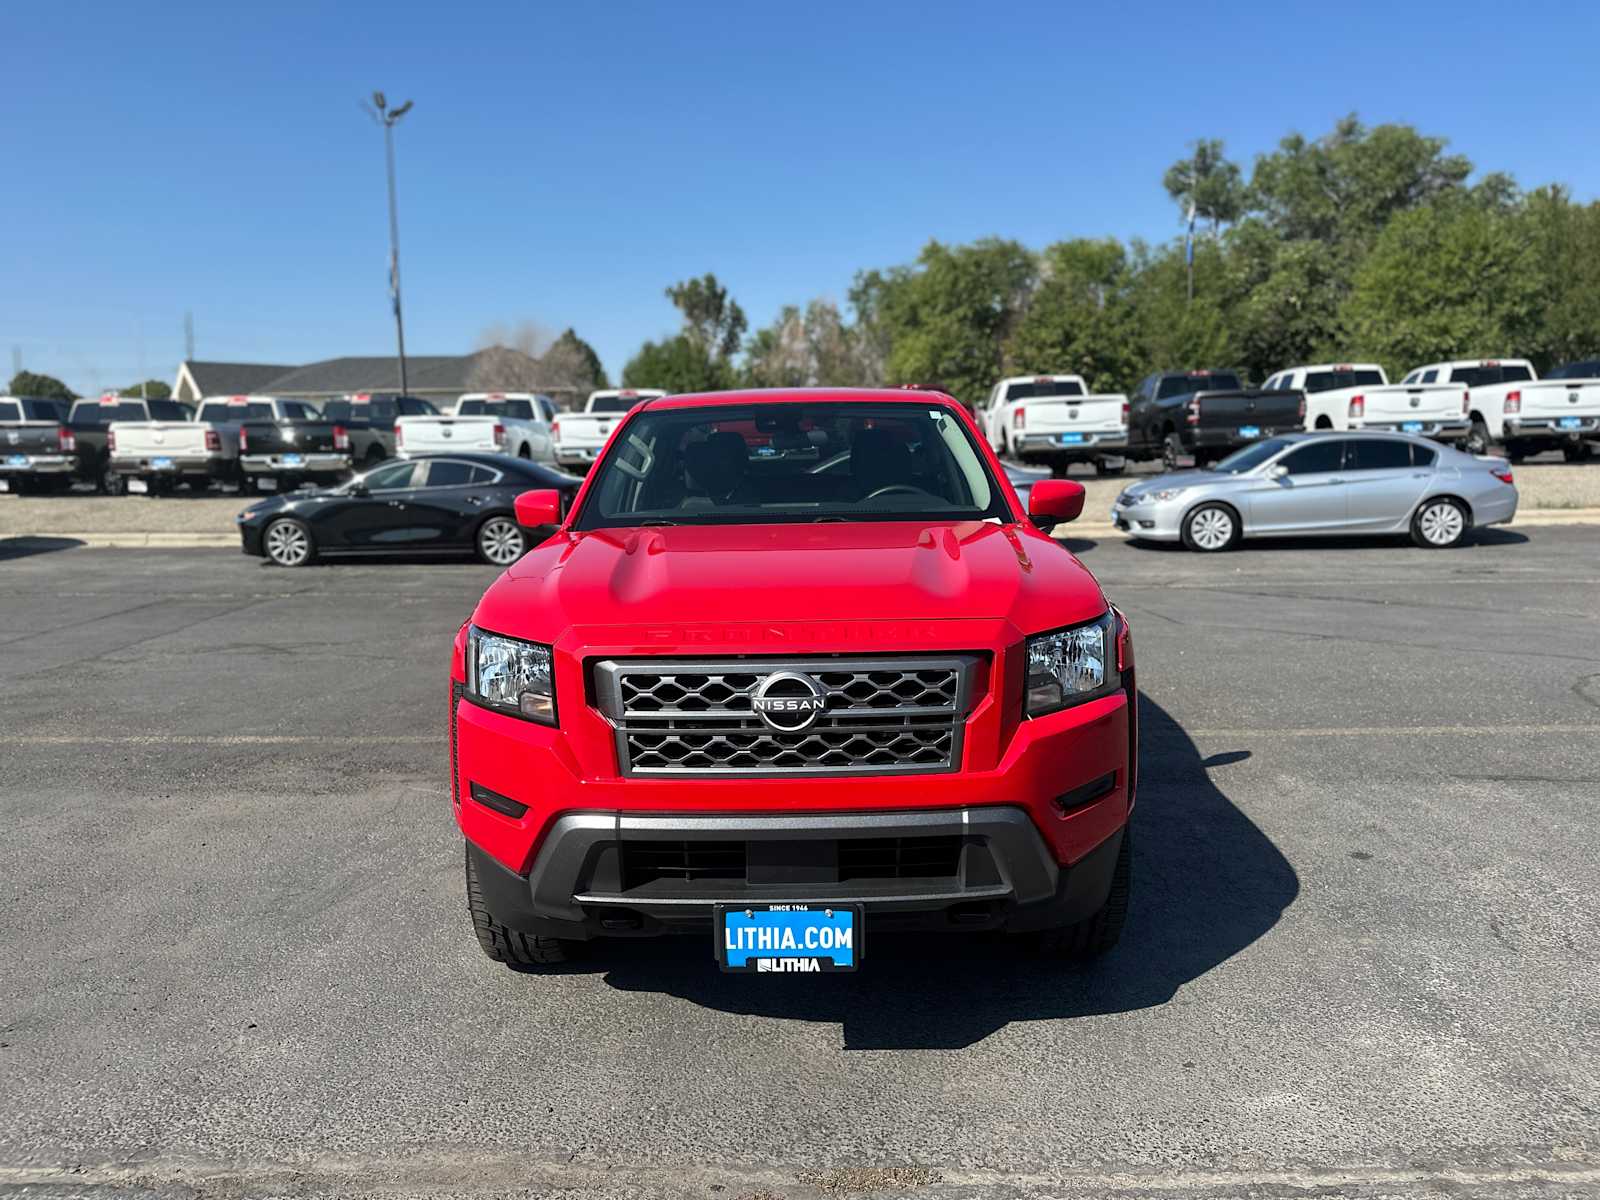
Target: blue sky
(565, 163)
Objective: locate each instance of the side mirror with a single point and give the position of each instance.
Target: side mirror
(540, 507)
(1277, 471)
(1053, 502)
(359, 489)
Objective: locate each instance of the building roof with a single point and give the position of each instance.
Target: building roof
(233, 379)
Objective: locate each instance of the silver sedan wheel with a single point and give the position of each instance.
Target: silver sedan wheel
(1441, 523)
(1211, 529)
(500, 541)
(288, 544)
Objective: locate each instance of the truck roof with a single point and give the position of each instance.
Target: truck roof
(1343, 366)
(1037, 378)
(821, 395)
(1473, 362)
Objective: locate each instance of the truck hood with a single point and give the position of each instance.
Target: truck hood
(777, 573)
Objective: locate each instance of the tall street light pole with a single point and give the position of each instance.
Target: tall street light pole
(387, 117)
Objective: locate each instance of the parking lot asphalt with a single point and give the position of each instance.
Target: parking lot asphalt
(1362, 957)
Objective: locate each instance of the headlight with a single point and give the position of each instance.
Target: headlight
(510, 676)
(1166, 494)
(1070, 666)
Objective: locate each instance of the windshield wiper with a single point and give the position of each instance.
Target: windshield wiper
(657, 521)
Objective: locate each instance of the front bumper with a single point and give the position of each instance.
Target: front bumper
(37, 464)
(1551, 428)
(209, 465)
(1155, 521)
(1454, 429)
(1050, 446)
(294, 464)
(1004, 876)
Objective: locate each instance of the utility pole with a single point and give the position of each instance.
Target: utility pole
(387, 117)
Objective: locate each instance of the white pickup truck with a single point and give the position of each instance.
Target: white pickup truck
(1347, 396)
(515, 423)
(153, 456)
(579, 437)
(1509, 404)
(1054, 421)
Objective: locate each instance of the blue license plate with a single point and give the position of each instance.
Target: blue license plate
(784, 938)
(1410, 426)
(293, 460)
(1072, 439)
(1251, 431)
(161, 464)
(17, 460)
(1572, 422)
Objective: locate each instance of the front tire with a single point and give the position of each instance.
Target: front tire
(1100, 930)
(1477, 441)
(1106, 466)
(501, 542)
(287, 542)
(1439, 524)
(1211, 528)
(504, 944)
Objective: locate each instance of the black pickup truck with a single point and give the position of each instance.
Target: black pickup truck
(89, 423)
(1207, 414)
(37, 450)
(369, 420)
(290, 451)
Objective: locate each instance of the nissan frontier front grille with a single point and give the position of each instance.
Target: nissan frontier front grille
(786, 717)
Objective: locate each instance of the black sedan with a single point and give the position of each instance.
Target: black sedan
(437, 503)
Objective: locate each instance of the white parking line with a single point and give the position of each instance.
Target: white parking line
(1317, 731)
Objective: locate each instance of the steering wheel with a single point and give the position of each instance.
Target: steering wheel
(890, 489)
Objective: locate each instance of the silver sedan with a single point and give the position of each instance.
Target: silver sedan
(1323, 483)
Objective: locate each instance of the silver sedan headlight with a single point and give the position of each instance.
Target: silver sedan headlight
(1165, 494)
(1070, 666)
(510, 676)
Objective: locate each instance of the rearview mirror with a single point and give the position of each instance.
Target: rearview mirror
(539, 507)
(1053, 502)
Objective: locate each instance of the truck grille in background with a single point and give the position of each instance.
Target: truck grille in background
(858, 859)
(887, 715)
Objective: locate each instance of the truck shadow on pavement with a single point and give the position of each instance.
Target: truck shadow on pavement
(1207, 883)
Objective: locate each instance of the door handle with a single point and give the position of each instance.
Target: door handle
(474, 499)
(394, 504)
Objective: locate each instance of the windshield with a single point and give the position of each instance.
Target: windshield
(1251, 456)
(517, 410)
(1197, 381)
(1042, 389)
(768, 463)
(225, 411)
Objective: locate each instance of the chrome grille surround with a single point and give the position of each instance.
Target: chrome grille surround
(885, 715)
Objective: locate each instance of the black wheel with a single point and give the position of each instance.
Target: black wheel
(248, 486)
(1578, 452)
(1516, 452)
(1439, 524)
(288, 542)
(1109, 466)
(1059, 470)
(1211, 528)
(1171, 451)
(501, 542)
(524, 453)
(507, 945)
(1477, 440)
(109, 483)
(1098, 932)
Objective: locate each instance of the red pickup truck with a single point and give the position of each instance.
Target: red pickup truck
(796, 669)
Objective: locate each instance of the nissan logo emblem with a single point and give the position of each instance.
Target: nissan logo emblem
(788, 701)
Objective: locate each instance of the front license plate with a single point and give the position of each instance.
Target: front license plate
(1572, 422)
(161, 464)
(783, 938)
(293, 460)
(1250, 431)
(18, 460)
(138, 487)
(1411, 427)
(1072, 439)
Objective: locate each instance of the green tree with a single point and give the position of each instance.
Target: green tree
(572, 364)
(152, 389)
(1450, 279)
(1566, 239)
(948, 318)
(46, 387)
(1080, 319)
(710, 316)
(677, 364)
(1208, 181)
(813, 348)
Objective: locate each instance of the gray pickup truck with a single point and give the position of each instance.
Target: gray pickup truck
(37, 450)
